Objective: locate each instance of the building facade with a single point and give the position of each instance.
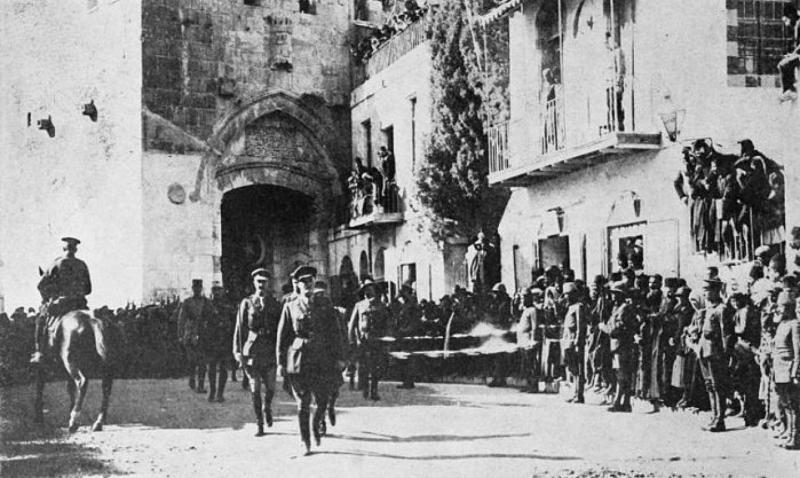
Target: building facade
(605, 97)
(390, 242)
(222, 130)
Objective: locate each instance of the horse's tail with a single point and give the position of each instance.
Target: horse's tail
(99, 330)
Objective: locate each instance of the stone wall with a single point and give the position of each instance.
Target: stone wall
(202, 59)
(86, 179)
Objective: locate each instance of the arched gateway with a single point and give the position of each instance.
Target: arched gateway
(273, 183)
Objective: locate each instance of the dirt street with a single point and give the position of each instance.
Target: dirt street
(161, 428)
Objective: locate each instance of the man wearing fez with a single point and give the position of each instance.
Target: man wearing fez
(573, 340)
(254, 340)
(713, 333)
(368, 324)
(309, 352)
(194, 315)
(64, 287)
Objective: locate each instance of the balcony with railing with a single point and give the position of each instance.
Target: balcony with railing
(368, 207)
(567, 136)
(391, 50)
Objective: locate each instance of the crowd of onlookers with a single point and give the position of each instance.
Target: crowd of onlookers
(396, 23)
(735, 201)
(144, 340)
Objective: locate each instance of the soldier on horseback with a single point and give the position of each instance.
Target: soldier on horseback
(64, 287)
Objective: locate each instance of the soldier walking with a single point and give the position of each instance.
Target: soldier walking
(367, 325)
(621, 327)
(254, 342)
(309, 352)
(193, 316)
(214, 342)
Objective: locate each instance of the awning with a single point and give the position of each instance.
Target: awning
(499, 12)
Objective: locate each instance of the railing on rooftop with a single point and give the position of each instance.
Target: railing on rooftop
(397, 46)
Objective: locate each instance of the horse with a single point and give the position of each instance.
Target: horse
(81, 342)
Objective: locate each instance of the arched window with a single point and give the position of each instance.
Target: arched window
(380, 265)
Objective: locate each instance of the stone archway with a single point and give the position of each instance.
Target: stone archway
(274, 144)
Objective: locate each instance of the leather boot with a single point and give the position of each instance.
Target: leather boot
(305, 433)
(259, 413)
(223, 379)
(374, 389)
(267, 408)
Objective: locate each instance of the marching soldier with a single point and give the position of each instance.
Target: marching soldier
(254, 343)
(64, 287)
(309, 352)
(195, 314)
(214, 341)
(367, 325)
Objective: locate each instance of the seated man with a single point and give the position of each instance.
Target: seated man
(64, 287)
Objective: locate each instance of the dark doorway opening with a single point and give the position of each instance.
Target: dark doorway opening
(554, 251)
(261, 225)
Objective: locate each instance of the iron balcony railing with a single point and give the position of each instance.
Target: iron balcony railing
(556, 128)
(499, 156)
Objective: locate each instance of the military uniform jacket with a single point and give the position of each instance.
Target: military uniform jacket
(621, 327)
(573, 335)
(786, 358)
(368, 321)
(66, 277)
(309, 340)
(716, 331)
(529, 332)
(256, 332)
(195, 314)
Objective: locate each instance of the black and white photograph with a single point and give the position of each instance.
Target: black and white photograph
(400, 238)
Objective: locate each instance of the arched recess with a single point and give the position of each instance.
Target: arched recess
(226, 164)
(363, 265)
(379, 266)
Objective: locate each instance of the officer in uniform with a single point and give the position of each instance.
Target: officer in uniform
(367, 325)
(573, 340)
(64, 287)
(194, 315)
(713, 326)
(621, 327)
(254, 341)
(309, 351)
(214, 341)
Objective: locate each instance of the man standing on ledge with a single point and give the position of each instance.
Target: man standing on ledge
(254, 340)
(64, 286)
(309, 351)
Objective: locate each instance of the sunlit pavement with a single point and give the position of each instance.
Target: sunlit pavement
(161, 428)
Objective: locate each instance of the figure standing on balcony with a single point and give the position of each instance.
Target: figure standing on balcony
(615, 85)
(548, 97)
(791, 60)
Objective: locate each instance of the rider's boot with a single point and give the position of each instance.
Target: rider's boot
(38, 340)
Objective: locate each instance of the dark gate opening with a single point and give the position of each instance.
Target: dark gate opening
(259, 225)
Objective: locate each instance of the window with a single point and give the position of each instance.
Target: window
(554, 251)
(757, 39)
(626, 246)
(308, 6)
(253, 3)
(408, 275)
(366, 127)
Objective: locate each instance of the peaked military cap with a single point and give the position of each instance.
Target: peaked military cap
(260, 272)
(71, 240)
(304, 271)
